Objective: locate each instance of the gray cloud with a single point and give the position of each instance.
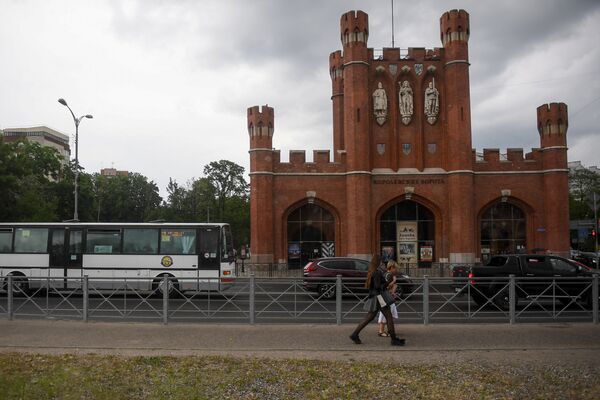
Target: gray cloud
(169, 82)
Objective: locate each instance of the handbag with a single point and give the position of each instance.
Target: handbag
(385, 299)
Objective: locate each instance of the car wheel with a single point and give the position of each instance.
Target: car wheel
(478, 298)
(502, 299)
(326, 291)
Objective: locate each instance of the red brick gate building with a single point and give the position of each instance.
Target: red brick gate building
(404, 179)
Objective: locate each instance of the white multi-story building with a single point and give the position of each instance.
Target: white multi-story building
(41, 134)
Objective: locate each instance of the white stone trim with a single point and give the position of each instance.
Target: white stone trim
(555, 148)
(357, 62)
(379, 174)
(458, 62)
(259, 149)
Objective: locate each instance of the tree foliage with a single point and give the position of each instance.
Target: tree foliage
(583, 183)
(228, 180)
(35, 185)
(28, 173)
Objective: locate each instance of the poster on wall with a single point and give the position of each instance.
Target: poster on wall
(426, 253)
(406, 236)
(387, 253)
(293, 251)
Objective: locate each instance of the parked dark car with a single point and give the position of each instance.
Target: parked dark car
(353, 272)
(588, 259)
(547, 267)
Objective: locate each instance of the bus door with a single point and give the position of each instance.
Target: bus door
(208, 256)
(57, 262)
(74, 257)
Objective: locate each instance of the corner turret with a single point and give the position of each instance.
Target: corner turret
(336, 70)
(552, 122)
(354, 34)
(261, 123)
(454, 34)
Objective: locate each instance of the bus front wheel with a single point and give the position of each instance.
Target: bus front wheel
(171, 287)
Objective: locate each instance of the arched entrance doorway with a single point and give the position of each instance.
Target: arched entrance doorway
(503, 230)
(407, 234)
(310, 234)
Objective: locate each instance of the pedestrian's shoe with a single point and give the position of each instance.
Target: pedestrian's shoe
(397, 341)
(354, 337)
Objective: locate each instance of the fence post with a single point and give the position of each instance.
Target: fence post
(512, 299)
(86, 297)
(165, 300)
(595, 298)
(251, 299)
(338, 299)
(426, 300)
(9, 297)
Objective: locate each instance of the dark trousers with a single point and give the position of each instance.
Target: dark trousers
(387, 313)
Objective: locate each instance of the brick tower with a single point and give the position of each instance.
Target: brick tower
(354, 29)
(454, 33)
(552, 120)
(261, 122)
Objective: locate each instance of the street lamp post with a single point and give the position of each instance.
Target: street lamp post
(77, 122)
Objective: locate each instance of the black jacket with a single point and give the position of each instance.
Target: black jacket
(378, 283)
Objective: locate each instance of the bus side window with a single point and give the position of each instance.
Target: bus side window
(6, 235)
(103, 241)
(177, 241)
(140, 241)
(31, 240)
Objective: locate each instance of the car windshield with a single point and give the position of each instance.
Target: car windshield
(580, 265)
(497, 261)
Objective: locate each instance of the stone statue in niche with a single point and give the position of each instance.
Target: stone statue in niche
(406, 102)
(432, 102)
(380, 104)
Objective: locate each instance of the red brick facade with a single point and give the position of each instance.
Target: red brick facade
(377, 164)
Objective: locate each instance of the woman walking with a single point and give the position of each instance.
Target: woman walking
(377, 285)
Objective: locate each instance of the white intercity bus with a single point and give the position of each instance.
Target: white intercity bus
(195, 256)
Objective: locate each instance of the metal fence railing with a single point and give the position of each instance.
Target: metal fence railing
(292, 299)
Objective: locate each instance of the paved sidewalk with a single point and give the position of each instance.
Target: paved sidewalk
(495, 343)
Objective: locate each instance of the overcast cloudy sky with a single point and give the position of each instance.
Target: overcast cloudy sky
(169, 82)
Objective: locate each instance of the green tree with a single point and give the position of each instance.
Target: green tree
(222, 193)
(228, 180)
(129, 198)
(28, 176)
(583, 183)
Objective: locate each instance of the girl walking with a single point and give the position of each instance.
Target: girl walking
(390, 278)
(376, 284)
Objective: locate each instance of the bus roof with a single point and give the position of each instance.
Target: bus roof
(113, 224)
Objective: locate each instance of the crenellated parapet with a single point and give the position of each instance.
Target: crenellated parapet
(298, 165)
(417, 54)
(513, 159)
